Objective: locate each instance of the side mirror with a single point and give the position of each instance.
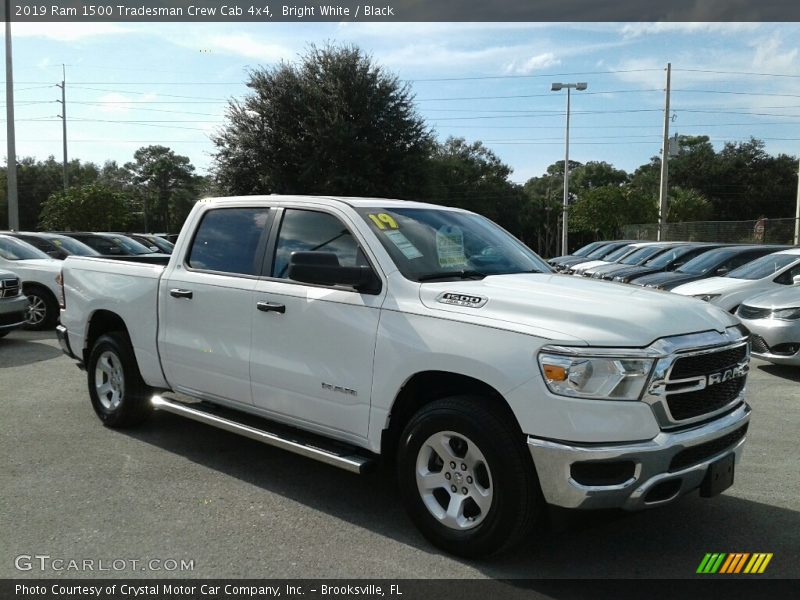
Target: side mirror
(722, 271)
(323, 268)
(796, 280)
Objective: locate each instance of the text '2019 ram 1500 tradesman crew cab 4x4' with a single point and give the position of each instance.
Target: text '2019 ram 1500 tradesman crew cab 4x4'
(348, 329)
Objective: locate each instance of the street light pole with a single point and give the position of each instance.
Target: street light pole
(557, 87)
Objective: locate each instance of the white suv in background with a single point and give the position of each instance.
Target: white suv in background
(768, 273)
(37, 272)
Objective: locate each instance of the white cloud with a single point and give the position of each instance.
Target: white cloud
(247, 46)
(534, 63)
(771, 56)
(114, 103)
(66, 32)
(634, 30)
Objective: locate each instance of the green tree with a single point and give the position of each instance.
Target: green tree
(167, 186)
(37, 180)
(595, 174)
(604, 210)
(687, 205)
(88, 207)
(472, 177)
(333, 123)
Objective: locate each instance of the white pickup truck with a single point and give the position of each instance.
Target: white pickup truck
(349, 330)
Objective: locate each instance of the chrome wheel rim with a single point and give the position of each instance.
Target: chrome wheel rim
(109, 380)
(37, 310)
(454, 480)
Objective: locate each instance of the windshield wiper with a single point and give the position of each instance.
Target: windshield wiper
(451, 275)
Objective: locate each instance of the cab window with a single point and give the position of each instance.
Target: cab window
(228, 240)
(309, 230)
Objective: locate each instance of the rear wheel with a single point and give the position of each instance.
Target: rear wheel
(466, 477)
(42, 308)
(119, 395)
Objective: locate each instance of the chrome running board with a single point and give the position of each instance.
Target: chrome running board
(347, 460)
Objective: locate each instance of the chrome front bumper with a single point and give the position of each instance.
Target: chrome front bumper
(651, 460)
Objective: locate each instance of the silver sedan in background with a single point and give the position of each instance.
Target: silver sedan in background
(774, 322)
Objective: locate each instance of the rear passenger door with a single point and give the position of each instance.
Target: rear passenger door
(208, 307)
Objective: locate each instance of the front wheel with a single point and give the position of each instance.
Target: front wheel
(119, 395)
(466, 478)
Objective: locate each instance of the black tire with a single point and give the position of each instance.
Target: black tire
(516, 499)
(128, 404)
(41, 299)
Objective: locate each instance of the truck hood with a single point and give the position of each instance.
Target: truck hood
(596, 312)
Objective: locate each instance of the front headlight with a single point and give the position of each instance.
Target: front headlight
(786, 314)
(707, 297)
(597, 377)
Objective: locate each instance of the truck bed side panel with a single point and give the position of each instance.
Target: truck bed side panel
(126, 289)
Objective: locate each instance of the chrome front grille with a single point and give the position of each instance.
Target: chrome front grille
(9, 288)
(692, 386)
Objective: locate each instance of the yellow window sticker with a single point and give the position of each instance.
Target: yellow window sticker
(383, 221)
(409, 250)
(450, 247)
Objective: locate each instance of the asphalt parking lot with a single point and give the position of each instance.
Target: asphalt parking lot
(175, 489)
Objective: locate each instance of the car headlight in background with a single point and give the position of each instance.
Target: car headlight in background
(596, 377)
(786, 314)
(707, 297)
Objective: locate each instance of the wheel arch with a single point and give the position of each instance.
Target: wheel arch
(102, 322)
(425, 387)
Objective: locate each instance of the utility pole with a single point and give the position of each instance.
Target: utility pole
(11, 161)
(63, 115)
(797, 209)
(663, 188)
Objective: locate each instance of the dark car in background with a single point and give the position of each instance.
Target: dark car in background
(638, 257)
(580, 252)
(154, 242)
(110, 244)
(672, 259)
(55, 245)
(599, 253)
(715, 263)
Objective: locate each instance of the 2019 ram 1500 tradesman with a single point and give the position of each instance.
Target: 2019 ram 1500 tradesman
(346, 329)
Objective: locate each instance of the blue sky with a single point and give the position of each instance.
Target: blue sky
(173, 81)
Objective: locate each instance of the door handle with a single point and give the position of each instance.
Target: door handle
(271, 307)
(179, 293)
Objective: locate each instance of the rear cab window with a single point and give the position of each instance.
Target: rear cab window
(230, 241)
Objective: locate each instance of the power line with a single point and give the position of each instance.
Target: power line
(737, 73)
(533, 95)
(539, 75)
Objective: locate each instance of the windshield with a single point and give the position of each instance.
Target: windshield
(705, 262)
(428, 244)
(764, 266)
(111, 244)
(72, 246)
(13, 249)
(618, 253)
(588, 248)
(663, 260)
(603, 250)
(636, 258)
(160, 243)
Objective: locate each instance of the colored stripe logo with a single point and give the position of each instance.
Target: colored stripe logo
(734, 563)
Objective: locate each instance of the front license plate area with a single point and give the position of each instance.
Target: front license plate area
(719, 476)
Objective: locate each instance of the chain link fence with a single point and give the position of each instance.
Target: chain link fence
(760, 231)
